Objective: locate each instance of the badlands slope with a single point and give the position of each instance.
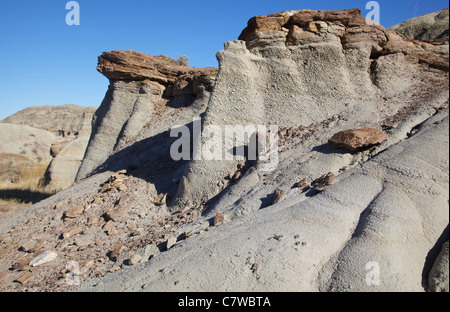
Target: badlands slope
(324, 219)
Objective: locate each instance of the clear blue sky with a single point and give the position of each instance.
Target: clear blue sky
(45, 61)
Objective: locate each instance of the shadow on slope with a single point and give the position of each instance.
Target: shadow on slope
(23, 195)
(150, 160)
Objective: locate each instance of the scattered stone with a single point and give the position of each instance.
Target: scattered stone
(4, 252)
(160, 199)
(121, 172)
(219, 219)
(108, 225)
(7, 240)
(278, 237)
(22, 264)
(303, 184)
(8, 249)
(114, 254)
(279, 195)
(39, 245)
(150, 251)
(170, 242)
(112, 231)
(255, 267)
(70, 232)
(134, 259)
(24, 278)
(136, 232)
(27, 246)
(324, 181)
(354, 140)
(74, 212)
(3, 275)
(236, 176)
(92, 221)
(106, 188)
(43, 258)
(117, 214)
(86, 266)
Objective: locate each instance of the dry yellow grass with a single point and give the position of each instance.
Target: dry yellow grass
(19, 182)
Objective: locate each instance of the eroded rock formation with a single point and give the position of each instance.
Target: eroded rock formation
(300, 68)
(323, 219)
(138, 83)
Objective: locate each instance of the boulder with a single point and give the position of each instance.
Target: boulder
(357, 139)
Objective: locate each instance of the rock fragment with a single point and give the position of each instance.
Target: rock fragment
(38, 246)
(303, 184)
(74, 212)
(24, 278)
(134, 259)
(72, 231)
(43, 258)
(114, 254)
(219, 219)
(279, 195)
(324, 181)
(21, 264)
(160, 199)
(354, 140)
(278, 237)
(27, 246)
(170, 242)
(236, 176)
(150, 251)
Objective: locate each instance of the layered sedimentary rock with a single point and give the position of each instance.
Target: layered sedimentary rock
(138, 82)
(299, 68)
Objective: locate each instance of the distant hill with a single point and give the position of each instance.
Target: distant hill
(426, 27)
(41, 150)
(63, 120)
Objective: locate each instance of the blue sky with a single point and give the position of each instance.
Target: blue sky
(44, 61)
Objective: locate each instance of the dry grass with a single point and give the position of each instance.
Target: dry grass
(19, 181)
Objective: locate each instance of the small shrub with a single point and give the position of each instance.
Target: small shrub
(183, 60)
